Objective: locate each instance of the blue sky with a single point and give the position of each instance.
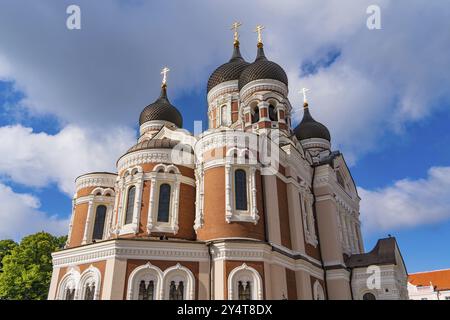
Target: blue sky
(70, 100)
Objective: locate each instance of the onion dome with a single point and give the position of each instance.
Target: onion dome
(262, 68)
(161, 109)
(309, 128)
(228, 71)
(164, 143)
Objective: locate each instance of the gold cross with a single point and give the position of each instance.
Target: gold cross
(164, 72)
(304, 90)
(258, 30)
(235, 26)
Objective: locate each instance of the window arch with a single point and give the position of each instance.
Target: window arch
(179, 283)
(245, 283)
(68, 286)
(273, 116)
(240, 189)
(369, 296)
(90, 284)
(318, 291)
(99, 222)
(164, 203)
(145, 283)
(130, 205)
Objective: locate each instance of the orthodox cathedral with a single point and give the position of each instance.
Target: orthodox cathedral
(252, 208)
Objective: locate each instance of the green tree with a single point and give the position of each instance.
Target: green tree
(6, 246)
(27, 270)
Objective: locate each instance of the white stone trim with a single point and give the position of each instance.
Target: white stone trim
(95, 180)
(245, 273)
(318, 293)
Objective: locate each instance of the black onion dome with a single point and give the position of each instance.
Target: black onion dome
(161, 109)
(262, 69)
(310, 128)
(228, 71)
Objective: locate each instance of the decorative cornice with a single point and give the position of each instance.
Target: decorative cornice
(95, 180)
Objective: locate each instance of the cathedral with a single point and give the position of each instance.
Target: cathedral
(251, 208)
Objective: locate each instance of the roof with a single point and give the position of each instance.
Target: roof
(161, 109)
(383, 253)
(262, 69)
(440, 279)
(310, 128)
(228, 71)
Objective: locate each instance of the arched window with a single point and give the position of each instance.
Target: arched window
(272, 113)
(146, 290)
(70, 294)
(130, 205)
(245, 283)
(176, 290)
(99, 223)
(164, 203)
(89, 292)
(240, 189)
(255, 115)
(369, 296)
(224, 115)
(244, 290)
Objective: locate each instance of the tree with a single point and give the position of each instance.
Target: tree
(6, 246)
(27, 270)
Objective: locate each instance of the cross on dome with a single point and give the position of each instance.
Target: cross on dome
(258, 30)
(164, 72)
(235, 27)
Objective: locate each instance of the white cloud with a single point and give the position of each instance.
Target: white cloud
(37, 159)
(20, 216)
(407, 203)
(109, 70)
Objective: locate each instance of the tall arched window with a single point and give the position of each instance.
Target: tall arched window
(240, 189)
(224, 115)
(272, 113)
(99, 223)
(255, 115)
(244, 290)
(164, 203)
(130, 205)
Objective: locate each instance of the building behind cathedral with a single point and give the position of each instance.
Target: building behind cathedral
(252, 208)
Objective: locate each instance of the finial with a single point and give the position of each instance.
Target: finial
(235, 27)
(305, 101)
(258, 30)
(164, 72)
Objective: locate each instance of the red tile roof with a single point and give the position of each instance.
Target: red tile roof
(440, 279)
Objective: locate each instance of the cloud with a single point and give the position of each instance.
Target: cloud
(20, 216)
(407, 203)
(37, 159)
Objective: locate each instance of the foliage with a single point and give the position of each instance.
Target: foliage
(6, 246)
(27, 269)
